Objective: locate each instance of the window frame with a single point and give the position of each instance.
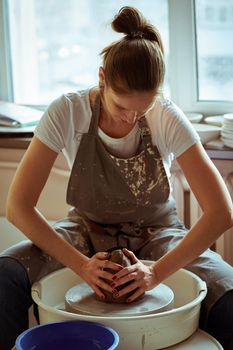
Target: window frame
(182, 65)
(6, 86)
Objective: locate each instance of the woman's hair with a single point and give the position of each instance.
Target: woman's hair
(136, 61)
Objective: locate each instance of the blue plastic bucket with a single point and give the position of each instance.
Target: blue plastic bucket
(68, 335)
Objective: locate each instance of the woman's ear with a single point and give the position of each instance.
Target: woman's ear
(101, 76)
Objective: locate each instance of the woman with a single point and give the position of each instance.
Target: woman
(119, 140)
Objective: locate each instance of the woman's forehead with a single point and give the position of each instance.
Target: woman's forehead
(134, 100)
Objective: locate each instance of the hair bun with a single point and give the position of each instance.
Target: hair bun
(135, 62)
(131, 22)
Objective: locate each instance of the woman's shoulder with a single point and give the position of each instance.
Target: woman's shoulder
(71, 109)
(166, 107)
(72, 100)
(171, 129)
(64, 117)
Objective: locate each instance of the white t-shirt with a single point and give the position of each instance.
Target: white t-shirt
(68, 118)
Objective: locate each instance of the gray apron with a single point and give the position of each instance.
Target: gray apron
(122, 203)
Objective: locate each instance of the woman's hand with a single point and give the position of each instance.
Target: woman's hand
(94, 273)
(143, 278)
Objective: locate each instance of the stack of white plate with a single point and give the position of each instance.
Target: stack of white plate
(227, 130)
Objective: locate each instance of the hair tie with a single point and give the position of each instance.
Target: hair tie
(138, 34)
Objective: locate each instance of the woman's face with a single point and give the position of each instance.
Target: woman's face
(127, 108)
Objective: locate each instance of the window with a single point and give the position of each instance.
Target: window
(214, 32)
(201, 55)
(51, 47)
(55, 44)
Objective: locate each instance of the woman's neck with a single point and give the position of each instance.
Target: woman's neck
(108, 125)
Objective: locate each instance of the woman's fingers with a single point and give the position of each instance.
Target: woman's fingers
(128, 277)
(104, 285)
(97, 291)
(130, 255)
(132, 287)
(126, 271)
(103, 262)
(111, 265)
(137, 276)
(100, 283)
(100, 272)
(136, 295)
(106, 275)
(102, 255)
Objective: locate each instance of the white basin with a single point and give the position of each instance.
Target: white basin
(145, 332)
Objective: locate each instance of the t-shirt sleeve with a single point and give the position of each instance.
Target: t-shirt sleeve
(52, 128)
(179, 134)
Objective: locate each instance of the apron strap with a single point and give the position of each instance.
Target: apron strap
(144, 129)
(95, 116)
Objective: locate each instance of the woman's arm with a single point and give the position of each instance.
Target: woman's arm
(215, 202)
(214, 199)
(25, 190)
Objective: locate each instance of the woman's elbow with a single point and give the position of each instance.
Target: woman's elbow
(231, 218)
(10, 211)
(14, 208)
(226, 218)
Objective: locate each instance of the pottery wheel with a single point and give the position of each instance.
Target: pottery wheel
(81, 299)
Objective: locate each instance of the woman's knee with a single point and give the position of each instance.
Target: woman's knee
(220, 320)
(15, 299)
(14, 281)
(223, 308)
